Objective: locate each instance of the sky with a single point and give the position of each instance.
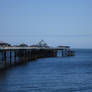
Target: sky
(58, 22)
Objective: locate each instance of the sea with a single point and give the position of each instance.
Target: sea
(59, 74)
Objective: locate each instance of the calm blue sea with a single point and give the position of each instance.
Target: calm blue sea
(60, 74)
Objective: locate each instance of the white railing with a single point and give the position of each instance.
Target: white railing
(18, 48)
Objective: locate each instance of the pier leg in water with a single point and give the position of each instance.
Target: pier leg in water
(25, 56)
(29, 58)
(4, 59)
(29, 54)
(66, 52)
(62, 53)
(10, 58)
(14, 57)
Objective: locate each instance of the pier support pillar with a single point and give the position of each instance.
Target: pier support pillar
(10, 58)
(62, 53)
(25, 56)
(66, 52)
(15, 57)
(4, 59)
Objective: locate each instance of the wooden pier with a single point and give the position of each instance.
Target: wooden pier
(20, 55)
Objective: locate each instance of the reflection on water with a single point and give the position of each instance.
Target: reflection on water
(68, 74)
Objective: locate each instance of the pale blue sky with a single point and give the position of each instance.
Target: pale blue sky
(58, 22)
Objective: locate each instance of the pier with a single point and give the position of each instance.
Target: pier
(20, 55)
(16, 55)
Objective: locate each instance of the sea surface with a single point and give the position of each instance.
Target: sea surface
(60, 74)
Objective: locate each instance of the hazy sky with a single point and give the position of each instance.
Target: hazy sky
(58, 22)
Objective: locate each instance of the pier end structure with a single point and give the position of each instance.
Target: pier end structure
(66, 51)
